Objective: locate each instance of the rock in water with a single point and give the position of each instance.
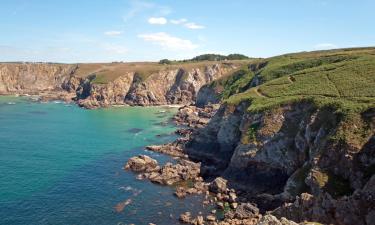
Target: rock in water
(185, 217)
(141, 163)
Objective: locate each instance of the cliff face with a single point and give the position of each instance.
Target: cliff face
(32, 78)
(113, 93)
(278, 154)
(167, 86)
(174, 86)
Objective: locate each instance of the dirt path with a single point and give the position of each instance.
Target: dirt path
(334, 85)
(259, 93)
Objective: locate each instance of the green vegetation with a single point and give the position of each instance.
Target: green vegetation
(342, 79)
(165, 61)
(206, 57)
(238, 82)
(252, 131)
(250, 134)
(100, 79)
(107, 72)
(216, 57)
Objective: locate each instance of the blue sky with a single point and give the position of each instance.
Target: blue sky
(145, 30)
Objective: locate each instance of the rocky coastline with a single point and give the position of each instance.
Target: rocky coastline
(292, 164)
(164, 86)
(236, 201)
(186, 176)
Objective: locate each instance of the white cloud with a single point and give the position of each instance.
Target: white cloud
(113, 33)
(157, 20)
(185, 23)
(169, 42)
(115, 49)
(179, 21)
(322, 46)
(194, 26)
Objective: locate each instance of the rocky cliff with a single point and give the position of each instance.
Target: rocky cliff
(297, 149)
(164, 86)
(27, 78)
(296, 135)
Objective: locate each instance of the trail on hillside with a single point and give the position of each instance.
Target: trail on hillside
(260, 94)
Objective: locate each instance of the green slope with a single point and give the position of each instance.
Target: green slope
(343, 78)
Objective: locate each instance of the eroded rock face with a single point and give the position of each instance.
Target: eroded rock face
(113, 93)
(31, 78)
(173, 86)
(358, 208)
(276, 155)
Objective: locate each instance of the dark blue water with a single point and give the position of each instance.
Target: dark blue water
(61, 164)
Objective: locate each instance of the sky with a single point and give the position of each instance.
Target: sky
(72, 31)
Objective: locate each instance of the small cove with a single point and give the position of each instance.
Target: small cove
(61, 164)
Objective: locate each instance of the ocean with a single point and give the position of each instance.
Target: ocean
(61, 164)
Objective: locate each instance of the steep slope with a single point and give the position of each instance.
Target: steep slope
(297, 129)
(32, 78)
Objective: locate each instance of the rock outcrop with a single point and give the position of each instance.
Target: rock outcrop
(279, 154)
(166, 86)
(31, 78)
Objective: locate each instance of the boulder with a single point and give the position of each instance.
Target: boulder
(219, 185)
(185, 217)
(246, 211)
(272, 220)
(142, 163)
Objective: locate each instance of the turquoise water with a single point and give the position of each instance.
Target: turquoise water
(61, 164)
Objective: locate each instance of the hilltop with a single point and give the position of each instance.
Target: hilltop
(342, 77)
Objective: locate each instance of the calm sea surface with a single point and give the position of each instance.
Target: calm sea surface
(60, 164)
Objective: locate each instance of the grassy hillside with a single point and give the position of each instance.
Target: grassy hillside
(106, 72)
(342, 78)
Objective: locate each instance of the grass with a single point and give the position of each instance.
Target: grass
(344, 79)
(237, 82)
(107, 72)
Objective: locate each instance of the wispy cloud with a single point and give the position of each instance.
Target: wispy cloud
(186, 23)
(157, 20)
(179, 21)
(167, 41)
(194, 26)
(113, 33)
(322, 46)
